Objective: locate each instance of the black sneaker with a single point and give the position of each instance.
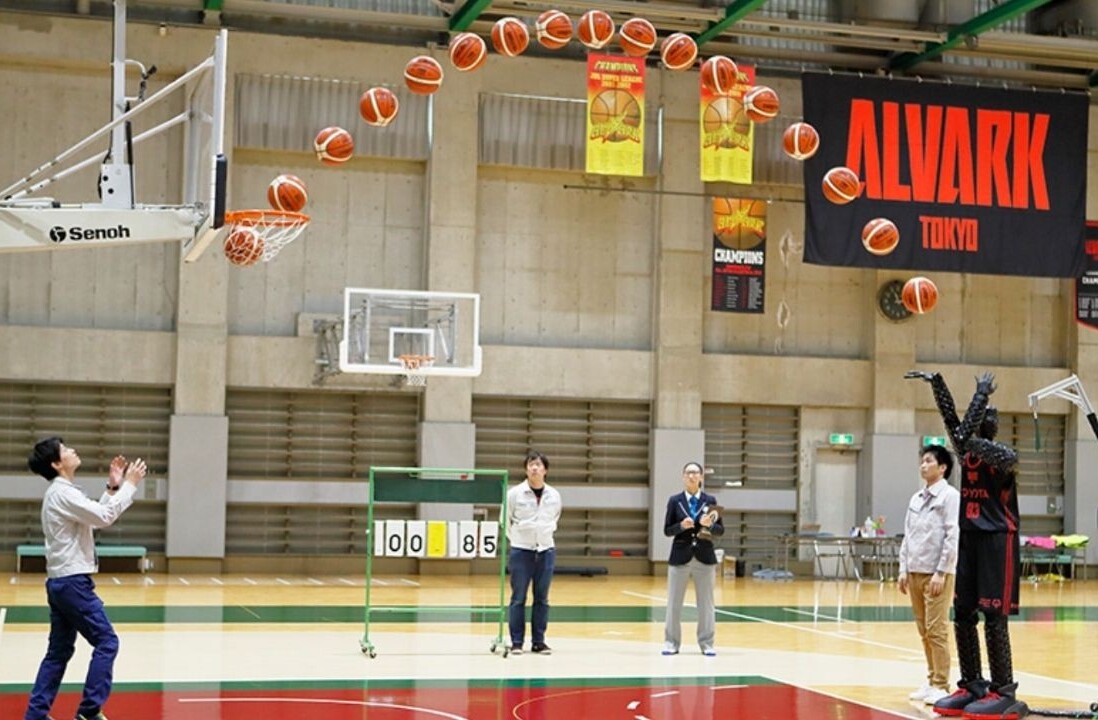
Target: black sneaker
(516, 649)
(954, 705)
(541, 649)
(998, 706)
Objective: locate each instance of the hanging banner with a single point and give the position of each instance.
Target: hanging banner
(615, 115)
(727, 136)
(1086, 285)
(739, 255)
(976, 179)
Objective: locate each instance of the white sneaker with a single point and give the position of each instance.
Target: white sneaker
(934, 694)
(921, 693)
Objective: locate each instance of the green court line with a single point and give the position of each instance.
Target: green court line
(252, 614)
(400, 684)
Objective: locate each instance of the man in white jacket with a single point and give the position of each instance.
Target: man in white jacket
(533, 508)
(68, 518)
(928, 565)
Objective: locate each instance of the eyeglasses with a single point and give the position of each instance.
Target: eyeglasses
(693, 472)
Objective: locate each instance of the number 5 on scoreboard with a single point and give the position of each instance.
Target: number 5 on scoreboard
(489, 538)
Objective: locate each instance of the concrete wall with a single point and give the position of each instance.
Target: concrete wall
(593, 294)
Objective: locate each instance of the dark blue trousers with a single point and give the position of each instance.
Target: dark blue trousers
(75, 608)
(528, 566)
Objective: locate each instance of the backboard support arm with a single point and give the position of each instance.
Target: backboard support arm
(1070, 389)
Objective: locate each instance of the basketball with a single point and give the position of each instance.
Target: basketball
(739, 224)
(554, 29)
(244, 247)
(617, 106)
(920, 295)
(880, 236)
(800, 141)
(637, 37)
(841, 185)
(287, 192)
(719, 75)
(334, 146)
(423, 75)
(510, 37)
(596, 29)
(378, 106)
(678, 51)
(761, 104)
(468, 51)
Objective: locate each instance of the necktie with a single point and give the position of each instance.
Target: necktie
(693, 506)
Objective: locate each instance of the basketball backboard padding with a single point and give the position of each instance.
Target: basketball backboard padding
(381, 325)
(30, 228)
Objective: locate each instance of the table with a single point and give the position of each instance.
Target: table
(850, 553)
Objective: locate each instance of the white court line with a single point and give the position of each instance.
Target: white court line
(251, 612)
(791, 626)
(280, 581)
(406, 581)
(633, 705)
(249, 581)
(216, 581)
(345, 581)
(116, 581)
(326, 701)
(314, 581)
(3, 616)
(817, 616)
(664, 694)
(727, 687)
(184, 581)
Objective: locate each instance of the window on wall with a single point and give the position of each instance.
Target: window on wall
(753, 444)
(100, 421)
(587, 441)
(319, 435)
(1040, 449)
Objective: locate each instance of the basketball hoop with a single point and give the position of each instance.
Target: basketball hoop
(277, 228)
(412, 366)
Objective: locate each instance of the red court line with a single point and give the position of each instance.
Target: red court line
(658, 702)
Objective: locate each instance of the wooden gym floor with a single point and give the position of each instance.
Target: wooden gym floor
(235, 647)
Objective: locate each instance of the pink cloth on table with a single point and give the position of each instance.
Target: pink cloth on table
(1042, 542)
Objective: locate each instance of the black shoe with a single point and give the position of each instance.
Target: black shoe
(954, 705)
(541, 649)
(998, 705)
(516, 648)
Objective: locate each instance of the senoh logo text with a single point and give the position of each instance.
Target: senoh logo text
(77, 233)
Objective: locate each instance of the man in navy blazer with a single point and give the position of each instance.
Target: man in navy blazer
(692, 519)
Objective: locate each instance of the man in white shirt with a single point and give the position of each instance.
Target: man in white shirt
(533, 508)
(928, 565)
(68, 518)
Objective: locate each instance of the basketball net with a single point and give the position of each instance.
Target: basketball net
(412, 365)
(277, 228)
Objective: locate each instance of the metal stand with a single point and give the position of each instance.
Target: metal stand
(1070, 389)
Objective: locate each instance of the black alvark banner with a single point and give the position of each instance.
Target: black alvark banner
(978, 180)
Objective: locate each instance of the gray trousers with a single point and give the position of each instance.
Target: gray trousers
(704, 578)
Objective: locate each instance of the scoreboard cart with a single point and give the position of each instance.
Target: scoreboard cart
(438, 485)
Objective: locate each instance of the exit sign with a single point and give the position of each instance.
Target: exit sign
(934, 440)
(841, 439)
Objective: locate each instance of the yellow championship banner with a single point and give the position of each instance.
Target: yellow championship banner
(727, 136)
(615, 115)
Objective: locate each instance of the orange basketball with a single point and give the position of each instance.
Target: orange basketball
(244, 247)
(287, 192)
(880, 236)
(510, 37)
(719, 74)
(841, 185)
(637, 37)
(468, 51)
(378, 106)
(678, 51)
(334, 145)
(423, 75)
(595, 29)
(800, 141)
(920, 295)
(761, 104)
(554, 29)
(739, 224)
(617, 106)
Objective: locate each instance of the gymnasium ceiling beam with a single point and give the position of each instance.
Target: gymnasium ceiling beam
(467, 13)
(968, 29)
(735, 11)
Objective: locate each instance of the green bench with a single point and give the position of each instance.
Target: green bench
(139, 552)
